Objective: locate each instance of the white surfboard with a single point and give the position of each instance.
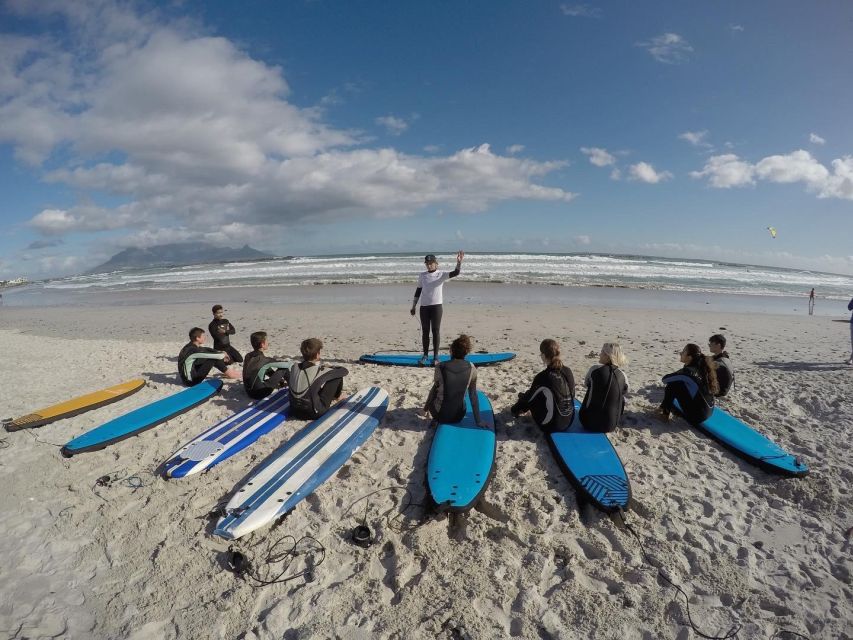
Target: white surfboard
(302, 464)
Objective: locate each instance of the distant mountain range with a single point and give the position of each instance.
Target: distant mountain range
(178, 254)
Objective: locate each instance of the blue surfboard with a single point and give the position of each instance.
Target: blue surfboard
(750, 445)
(230, 436)
(414, 359)
(141, 419)
(302, 463)
(592, 465)
(462, 458)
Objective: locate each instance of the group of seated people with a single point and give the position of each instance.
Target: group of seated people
(315, 387)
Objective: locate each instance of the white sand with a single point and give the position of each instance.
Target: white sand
(751, 548)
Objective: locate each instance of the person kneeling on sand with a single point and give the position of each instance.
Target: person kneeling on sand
(262, 374)
(220, 329)
(725, 375)
(446, 399)
(606, 388)
(693, 386)
(195, 360)
(551, 398)
(314, 387)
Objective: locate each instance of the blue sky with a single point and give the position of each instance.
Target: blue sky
(670, 128)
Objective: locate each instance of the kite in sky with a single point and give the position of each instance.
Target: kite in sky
(772, 231)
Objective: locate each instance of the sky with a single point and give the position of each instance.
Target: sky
(670, 128)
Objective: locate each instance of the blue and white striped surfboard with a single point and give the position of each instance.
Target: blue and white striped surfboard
(229, 436)
(302, 464)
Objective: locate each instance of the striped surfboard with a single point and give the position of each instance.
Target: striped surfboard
(302, 464)
(229, 436)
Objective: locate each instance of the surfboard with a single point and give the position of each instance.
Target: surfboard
(592, 465)
(141, 419)
(230, 436)
(462, 459)
(749, 444)
(414, 359)
(76, 406)
(302, 464)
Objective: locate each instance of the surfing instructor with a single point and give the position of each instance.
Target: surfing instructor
(429, 291)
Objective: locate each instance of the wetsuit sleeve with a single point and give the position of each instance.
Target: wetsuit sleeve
(850, 305)
(231, 330)
(273, 366)
(472, 394)
(524, 399)
(436, 393)
(587, 379)
(455, 272)
(322, 380)
(570, 380)
(418, 292)
(626, 387)
(211, 329)
(670, 376)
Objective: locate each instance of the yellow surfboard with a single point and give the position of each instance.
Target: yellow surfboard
(76, 406)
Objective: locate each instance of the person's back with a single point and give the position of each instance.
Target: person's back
(606, 387)
(725, 373)
(313, 386)
(551, 397)
(456, 377)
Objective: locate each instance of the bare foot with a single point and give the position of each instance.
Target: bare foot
(232, 373)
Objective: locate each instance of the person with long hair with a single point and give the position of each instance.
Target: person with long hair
(606, 388)
(693, 386)
(430, 293)
(551, 397)
(452, 380)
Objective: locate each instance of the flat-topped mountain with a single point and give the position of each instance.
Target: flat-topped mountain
(178, 254)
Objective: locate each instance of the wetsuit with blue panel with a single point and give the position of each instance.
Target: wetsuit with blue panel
(690, 388)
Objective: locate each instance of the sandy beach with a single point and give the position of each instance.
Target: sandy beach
(136, 558)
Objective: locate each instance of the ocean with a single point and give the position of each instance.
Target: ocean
(567, 270)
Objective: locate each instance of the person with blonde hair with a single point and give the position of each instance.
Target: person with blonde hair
(606, 388)
(551, 398)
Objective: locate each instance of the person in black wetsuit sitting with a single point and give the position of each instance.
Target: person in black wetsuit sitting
(195, 360)
(606, 387)
(220, 328)
(452, 379)
(551, 397)
(262, 374)
(693, 386)
(725, 375)
(314, 387)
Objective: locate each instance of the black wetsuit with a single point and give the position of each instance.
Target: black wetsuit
(725, 375)
(446, 399)
(550, 399)
(262, 374)
(194, 363)
(689, 387)
(604, 401)
(221, 341)
(313, 387)
(431, 320)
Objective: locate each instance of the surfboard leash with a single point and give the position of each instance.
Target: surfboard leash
(732, 632)
(247, 566)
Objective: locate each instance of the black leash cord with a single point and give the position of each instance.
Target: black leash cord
(730, 634)
(250, 571)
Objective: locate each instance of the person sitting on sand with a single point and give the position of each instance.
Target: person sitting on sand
(606, 387)
(262, 374)
(314, 387)
(725, 375)
(693, 386)
(551, 397)
(195, 360)
(446, 399)
(220, 328)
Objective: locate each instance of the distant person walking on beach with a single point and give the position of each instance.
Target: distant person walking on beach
(606, 388)
(693, 386)
(850, 308)
(811, 302)
(429, 291)
(551, 398)
(220, 328)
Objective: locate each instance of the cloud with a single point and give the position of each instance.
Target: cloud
(393, 125)
(816, 139)
(669, 48)
(432, 148)
(584, 240)
(736, 28)
(580, 11)
(728, 170)
(513, 149)
(598, 156)
(696, 138)
(616, 174)
(44, 244)
(188, 132)
(644, 172)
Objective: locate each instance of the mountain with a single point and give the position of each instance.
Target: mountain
(178, 254)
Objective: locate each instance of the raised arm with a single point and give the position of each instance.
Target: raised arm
(459, 257)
